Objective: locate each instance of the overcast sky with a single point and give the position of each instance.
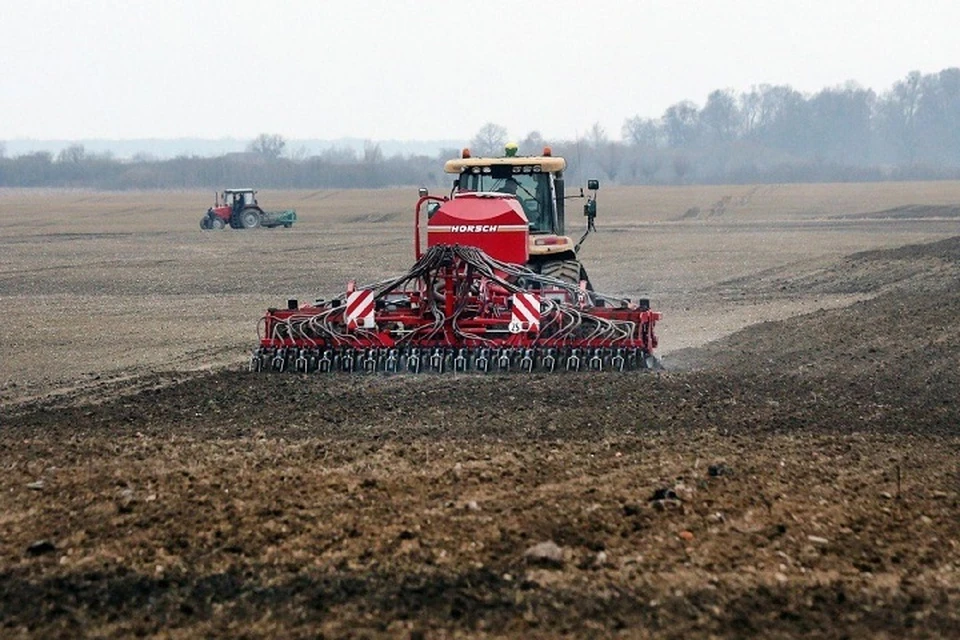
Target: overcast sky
(407, 70)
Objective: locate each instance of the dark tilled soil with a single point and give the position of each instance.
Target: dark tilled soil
(798, 478)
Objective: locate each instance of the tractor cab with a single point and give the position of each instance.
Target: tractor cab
(238, 199)
(537, 183)
(534, 191)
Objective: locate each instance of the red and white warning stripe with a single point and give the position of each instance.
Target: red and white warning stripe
(359, 313)
(526, 313)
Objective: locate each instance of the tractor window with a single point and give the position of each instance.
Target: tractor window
(242, 199)
(531, 189)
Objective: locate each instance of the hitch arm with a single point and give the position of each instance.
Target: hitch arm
(590, 211)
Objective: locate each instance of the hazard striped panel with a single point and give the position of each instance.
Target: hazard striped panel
(526, 313)
(359, 313)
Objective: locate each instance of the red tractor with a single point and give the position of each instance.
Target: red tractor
(498, 288)
(238, 209)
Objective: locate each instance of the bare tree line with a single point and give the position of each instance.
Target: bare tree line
(258, 167)
(767, 134)
(774, 133)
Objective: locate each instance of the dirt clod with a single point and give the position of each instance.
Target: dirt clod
(41, 547)
(545, 553)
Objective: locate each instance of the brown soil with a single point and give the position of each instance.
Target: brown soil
(798, 477)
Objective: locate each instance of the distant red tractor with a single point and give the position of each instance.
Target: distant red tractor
(238, 209)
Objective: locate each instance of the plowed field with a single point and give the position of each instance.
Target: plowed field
(793, 471)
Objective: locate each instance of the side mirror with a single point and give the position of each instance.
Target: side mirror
(423, 192)
(593, 185)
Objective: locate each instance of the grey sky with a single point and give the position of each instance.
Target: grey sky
(430, 69)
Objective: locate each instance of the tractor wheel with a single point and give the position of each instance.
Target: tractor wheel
(217, 224)
(249, 218)
(566, 270)
(204, 223)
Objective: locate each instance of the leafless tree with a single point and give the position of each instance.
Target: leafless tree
(721, 117)
(610, 159)
(682, 123)
(340, 155)
(299, 154)
(74, 154)
(490, 140)
(898, 115)
(269, 146)
(597, 136)
(642, 132)
(532, 144)
(372, 154)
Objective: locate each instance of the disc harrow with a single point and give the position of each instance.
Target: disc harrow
(460, 311)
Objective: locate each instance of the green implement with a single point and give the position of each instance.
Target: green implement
(272, 219)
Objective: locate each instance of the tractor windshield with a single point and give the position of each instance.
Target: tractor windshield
(531, 189)
(239, 199)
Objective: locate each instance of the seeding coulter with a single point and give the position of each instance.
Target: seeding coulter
(497, 288)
